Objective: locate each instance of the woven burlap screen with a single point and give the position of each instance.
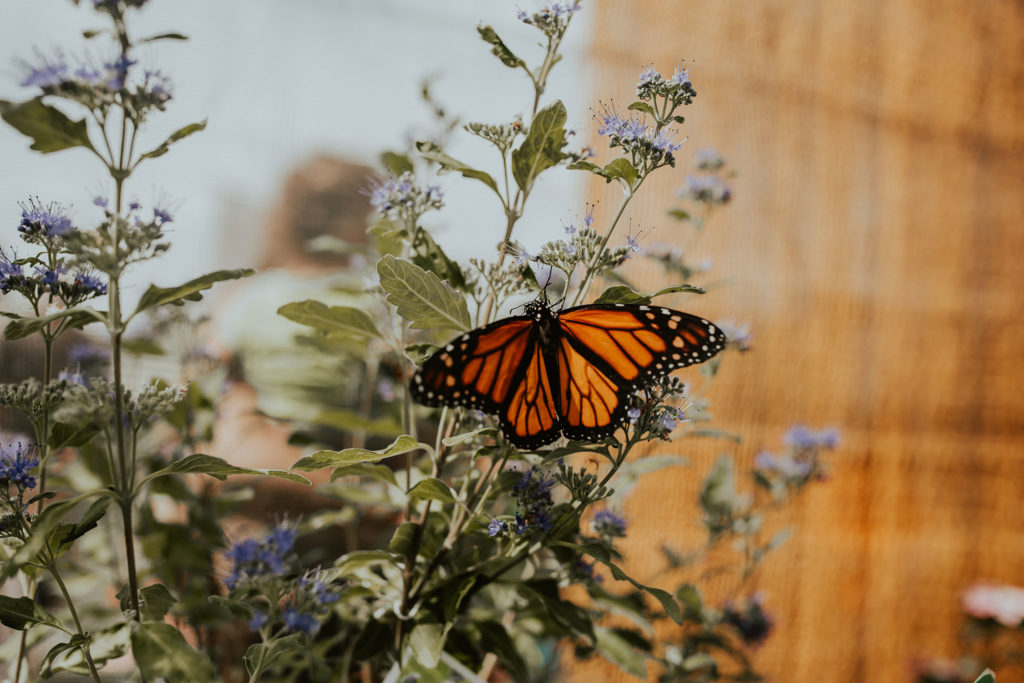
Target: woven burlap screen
(875, 245)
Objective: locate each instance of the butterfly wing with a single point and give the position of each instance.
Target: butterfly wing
(499, 369)
(608, 351)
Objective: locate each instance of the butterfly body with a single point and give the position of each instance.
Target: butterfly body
(570, 372)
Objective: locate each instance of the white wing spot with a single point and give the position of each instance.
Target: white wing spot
(665, 311)
(644, 308)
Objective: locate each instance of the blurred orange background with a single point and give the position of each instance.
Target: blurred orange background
(874, 244)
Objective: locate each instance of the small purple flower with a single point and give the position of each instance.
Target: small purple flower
(738, 336)
(633, 244)
(253, 559)
(49, 220)
(800, 437)
(681, 76)
(633, 414)
(710, 189)
(522, 256)
(588, 219)
(16, 465)
(86, 353)
(92, 284)
(607, 523)
(496, 527)
(294, 620)
(258, 620)
(118, 71)
(386, 390)
(570, 228)
(663, 142)
(48, 73)
(532, 492)
(648, 74)
(100, 201)
(570, 249)
(161, 215)
(134, 205)
(708, 159)
(73, 378)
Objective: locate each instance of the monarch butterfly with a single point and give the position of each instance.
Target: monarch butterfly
(568, 372)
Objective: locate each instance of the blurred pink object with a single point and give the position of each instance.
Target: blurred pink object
(1005, 604)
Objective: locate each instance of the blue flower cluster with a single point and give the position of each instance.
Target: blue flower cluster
(533, 501)
(398, 195)
(16, 465)
(608, 524)
(800, 464)
(800, 437)
(40, 222)
(678, 89)
(254, 560)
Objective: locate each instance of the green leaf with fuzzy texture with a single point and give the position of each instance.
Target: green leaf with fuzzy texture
(160, 651)
(19, 327)
(349, 456)
(294, 642)
(381, 473)
(20, 613)
(428, 255)
(190, 291)
(387, 237)
(426, 640)
(179, 134)
(88, 521)
(49, 128)
(431, 152)
(200, 463)
(421, 297)
(542, 147)
(498, 47)
(344, 320)
(347, 420)
(432, 489)
(621, 294)
(644, 107)
(621, 169)
(104, 645)
(397, 164)
(619, 651)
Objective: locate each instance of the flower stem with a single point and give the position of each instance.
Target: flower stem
(592, 266)
(78, 623)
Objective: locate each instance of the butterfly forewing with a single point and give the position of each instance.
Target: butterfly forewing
(589, 400)
(477, 369)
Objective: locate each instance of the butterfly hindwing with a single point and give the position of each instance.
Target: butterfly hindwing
(612, 350)
(531, 419)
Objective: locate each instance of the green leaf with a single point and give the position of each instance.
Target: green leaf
(418, 353)
(987, 676)
(109, 643)
(358, 559)
(719, 492)
(426, 640)
(164, 36)
(689, 597)
(429, 256)
(142, 347)
(499, 49)
(421, 297)
(621, 169)
(344, 320)
(271, 651)
(381, 473)
(397, 164)
(621, 294)
(349, 456)
(432, 489)
(20, 328)
(20, 613)
(238, 608)
(664, 597)
(387, 237)
(200, 463)
(542, 147)
(191, 290)
(431, 152)
(182, 132)
(498, 641)
(564, 613)
(49, 128)
(619, 651)
(155, 601)
(701, 660)
(63, 435)
(679, 214)
(347, 421)
(644, 107)
(401, 541)
(89, 520)
(456, 439)
(160, 651)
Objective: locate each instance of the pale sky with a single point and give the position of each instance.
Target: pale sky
(280, 82)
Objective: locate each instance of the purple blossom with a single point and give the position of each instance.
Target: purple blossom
(16, 464)
(607, 523)
(570, 228)
(648, 74)
(671, 418)
(738, 336)
(48, 73)
(800, 437)
(633, 414)
(496, 527)
(297, 621)
(632, 244)
(49, 220)
(258, 620)
(254, 560)
(710, 189)
(708, 159)
(663, 142)
(86, 353)
(570, 249)
(681, 75)
(588, 219)
(162, 215)
(117, 71)
(532, 492)
(92, 284)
